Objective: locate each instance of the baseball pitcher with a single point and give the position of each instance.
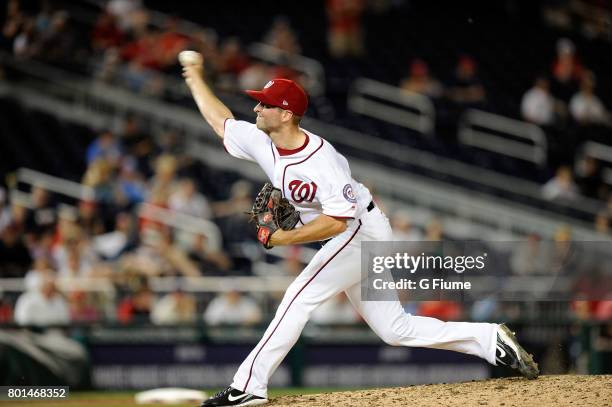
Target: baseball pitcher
(313, 197)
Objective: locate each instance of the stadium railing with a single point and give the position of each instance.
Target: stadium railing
(603, 154)
(176, 220)
(393, 105)
(311, 68)
(79, 99)
(467, 174)
(495, 133)
(502, 135)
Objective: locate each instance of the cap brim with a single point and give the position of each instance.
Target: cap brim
(259, 96)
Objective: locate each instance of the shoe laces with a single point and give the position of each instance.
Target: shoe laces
(223, 392)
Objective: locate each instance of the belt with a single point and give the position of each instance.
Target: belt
(371, 206)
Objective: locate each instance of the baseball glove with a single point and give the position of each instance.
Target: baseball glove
(271, 212)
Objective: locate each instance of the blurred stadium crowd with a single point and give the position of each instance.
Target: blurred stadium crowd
(112, 240)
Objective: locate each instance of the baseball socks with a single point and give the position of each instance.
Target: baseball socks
(510, 353)
(233, 397)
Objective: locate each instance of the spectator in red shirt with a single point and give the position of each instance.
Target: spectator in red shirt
(232, 60)
(420, 80)
(81, 308)
(466, 88)
(170, 43)
(567, 71)
(137, 306)
(282, 37)
(444, 310)
(344, 30)
(106, 33)
(6, 311)
(143, 51)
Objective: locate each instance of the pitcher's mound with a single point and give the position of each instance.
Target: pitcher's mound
(568, 390)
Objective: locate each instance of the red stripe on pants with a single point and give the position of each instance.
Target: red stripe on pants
(293, 299)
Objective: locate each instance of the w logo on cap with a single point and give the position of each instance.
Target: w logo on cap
(270, 83)
(285, 103)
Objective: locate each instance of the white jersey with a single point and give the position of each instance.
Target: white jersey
(315, 178)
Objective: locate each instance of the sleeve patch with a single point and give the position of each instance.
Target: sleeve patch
(348, 193)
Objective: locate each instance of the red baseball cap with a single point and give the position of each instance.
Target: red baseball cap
(283, 93)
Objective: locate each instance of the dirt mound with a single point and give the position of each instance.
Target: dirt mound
(545, 391)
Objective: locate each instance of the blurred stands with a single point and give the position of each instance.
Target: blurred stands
(93, 102)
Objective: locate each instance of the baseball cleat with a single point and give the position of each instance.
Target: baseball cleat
(510, 353)
(233, 397)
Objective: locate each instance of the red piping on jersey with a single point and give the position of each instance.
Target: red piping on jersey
(299, 162)
(283, 151)
(293, 299)
(272, 150)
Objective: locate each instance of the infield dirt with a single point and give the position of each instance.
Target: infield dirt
(567, 390)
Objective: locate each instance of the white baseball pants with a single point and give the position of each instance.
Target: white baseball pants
(335, 268)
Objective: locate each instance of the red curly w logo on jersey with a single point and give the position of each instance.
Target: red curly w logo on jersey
(302, 191)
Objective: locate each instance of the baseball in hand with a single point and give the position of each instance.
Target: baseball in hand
(189, 57)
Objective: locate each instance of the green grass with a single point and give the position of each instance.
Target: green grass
(272, 392)
(126, 398)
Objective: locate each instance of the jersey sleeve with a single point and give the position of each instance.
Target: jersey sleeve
(337, 198)
(241, 139)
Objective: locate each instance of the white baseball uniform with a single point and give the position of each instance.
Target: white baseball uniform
(317, 180)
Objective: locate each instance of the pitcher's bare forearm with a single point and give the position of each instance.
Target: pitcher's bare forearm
(212, 109)
(322, 228)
